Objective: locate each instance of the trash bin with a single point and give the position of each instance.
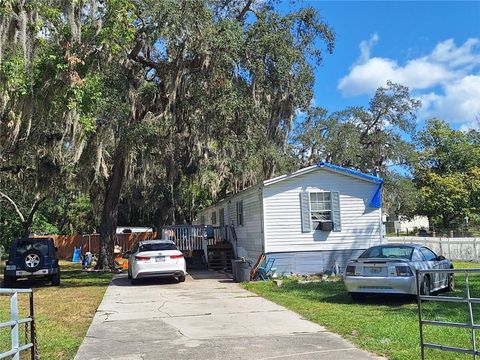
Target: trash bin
(236, 269)
(243, 272)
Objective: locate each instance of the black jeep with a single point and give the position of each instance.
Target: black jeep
(32, 258)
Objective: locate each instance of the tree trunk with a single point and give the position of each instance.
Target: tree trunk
(108, 224)
(27, 224)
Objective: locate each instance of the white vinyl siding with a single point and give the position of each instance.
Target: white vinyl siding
(273, 221)
(356, 224)
(250, 234)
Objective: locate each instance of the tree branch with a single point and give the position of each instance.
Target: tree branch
(34, 208)
(17, 210)
(245, 9)
(14, 169)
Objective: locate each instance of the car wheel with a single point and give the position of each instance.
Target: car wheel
(425, 287)
(32, 260)
(451, 282)
(357, 296)
(55, 279)
(181, 278)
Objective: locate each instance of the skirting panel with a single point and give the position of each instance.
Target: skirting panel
(313, 262)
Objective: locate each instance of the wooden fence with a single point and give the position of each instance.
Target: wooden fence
(466, 249)
(91, 242)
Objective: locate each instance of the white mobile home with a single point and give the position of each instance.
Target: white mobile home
(310, 221)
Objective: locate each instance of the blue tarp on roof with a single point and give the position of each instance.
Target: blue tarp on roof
(347, 171)
(376, 201)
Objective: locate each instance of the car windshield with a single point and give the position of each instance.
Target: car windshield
(38, 244)
(403, 252)
(157, 247)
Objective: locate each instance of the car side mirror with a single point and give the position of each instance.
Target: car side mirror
(440, 258)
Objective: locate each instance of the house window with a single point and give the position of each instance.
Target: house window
(239, 212)
(320, 211)
(320, 207)
(202, 219)
(221, 216)
(214, 217)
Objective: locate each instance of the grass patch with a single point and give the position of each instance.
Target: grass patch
(63, 314)
(385, 326)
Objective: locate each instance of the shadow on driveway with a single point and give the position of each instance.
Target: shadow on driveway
(124, 281)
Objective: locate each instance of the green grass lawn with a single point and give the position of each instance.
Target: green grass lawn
(386, 326)
(63, 314)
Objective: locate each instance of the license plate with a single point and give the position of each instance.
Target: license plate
(159, 258)
(375, 270)
(10, 267)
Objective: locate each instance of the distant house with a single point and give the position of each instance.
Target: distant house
(133, 229)
(403, 224)
(310, 221)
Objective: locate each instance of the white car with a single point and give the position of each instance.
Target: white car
(154, 259)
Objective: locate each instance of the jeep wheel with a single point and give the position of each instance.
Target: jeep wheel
(32, 260)
(55, 279)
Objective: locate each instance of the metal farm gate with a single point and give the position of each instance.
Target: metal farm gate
(15, 326)
(466, 299)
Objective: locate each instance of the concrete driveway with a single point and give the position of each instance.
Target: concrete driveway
(207, 317)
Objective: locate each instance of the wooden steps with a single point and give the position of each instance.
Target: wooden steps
(220, 257)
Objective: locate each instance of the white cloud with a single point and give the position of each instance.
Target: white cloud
(459, 103)
(462, 56)
(447, 80)
(366, 47)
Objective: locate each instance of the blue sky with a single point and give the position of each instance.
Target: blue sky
(432, 47)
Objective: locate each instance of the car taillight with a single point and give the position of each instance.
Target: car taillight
(403, 271)
(142, 258)
(176, 256)
(350, 270)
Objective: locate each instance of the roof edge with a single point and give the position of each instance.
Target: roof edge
(351, 172)
(326, 166)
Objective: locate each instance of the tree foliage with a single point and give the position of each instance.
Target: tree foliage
(151, 100)
(447, 174)
(369, 139)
